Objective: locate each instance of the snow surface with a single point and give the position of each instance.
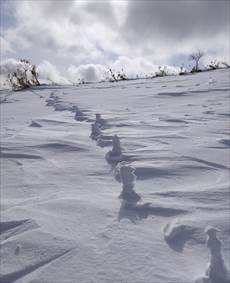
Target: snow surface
(61, 218)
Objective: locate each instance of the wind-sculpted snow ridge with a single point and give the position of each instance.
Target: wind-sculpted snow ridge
(216, 270)
(124, 172)
(95, 131)
(103, 141)
(115, 154)
(128, 195)
(65, 218)
(100, 121)
(80, 116)
(35, 124)
(12, 228)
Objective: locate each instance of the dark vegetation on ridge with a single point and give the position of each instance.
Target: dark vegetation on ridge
(26, 75)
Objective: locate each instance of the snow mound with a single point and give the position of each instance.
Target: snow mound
(173, 229)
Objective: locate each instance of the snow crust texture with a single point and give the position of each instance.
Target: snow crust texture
(117, 182)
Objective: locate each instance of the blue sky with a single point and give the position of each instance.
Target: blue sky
(75, 39)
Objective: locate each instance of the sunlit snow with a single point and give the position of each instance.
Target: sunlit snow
(63, 215)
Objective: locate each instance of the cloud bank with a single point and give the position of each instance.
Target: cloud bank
(90, 36)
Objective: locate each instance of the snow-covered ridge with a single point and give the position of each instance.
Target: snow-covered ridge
(61, 218)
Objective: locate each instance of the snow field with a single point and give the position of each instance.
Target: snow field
(61, 219)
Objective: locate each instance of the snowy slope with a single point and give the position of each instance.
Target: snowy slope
(61, 219)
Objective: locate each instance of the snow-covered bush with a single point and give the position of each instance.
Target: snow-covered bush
(25, 76)
(112, 76)
(162, 71)
(183, 70)
(225, 64)
(213, 65)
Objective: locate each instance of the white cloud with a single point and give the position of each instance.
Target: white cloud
(47, 70)
(9, 66)
(90, 72)
(110, 33)
(6, 47)
(166, 27)
(132, 67)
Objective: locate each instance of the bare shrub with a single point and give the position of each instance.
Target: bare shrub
(25, 76)
(162, 71)
(183, 70)
(225, 64)
(214, 65)
(112, 76)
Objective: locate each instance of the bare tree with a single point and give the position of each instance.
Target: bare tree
(196, 57)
